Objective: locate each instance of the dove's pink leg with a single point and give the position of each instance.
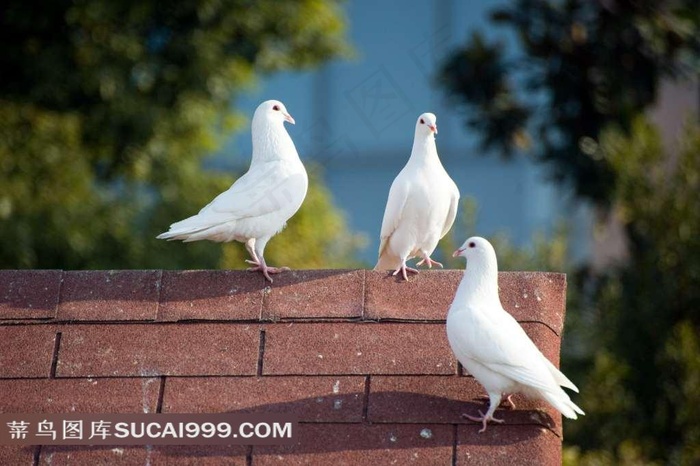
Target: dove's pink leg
(403, 269)
(427, 260)
(256, 248)
(509, 400)
(250, 246)
(485, 418)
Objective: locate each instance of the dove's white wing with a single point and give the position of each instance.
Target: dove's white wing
(452, 213)
(265, 188)
(398, 194)
(258, 192)
(512, 328)
(501, 345)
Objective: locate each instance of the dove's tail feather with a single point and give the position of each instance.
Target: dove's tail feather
(560, 378)
(194, 228)
(563, 403)
(216, 233)
(388, 262)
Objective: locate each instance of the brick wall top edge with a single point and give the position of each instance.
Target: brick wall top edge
(237, 295)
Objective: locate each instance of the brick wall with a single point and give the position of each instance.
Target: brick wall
(359, 357)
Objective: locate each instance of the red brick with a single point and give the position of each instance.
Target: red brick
(158, 349)
(196, 455)
(109, 295)
(26, 350)
(137, 395)
(325, 399)
(535, 296)
(351, 348)
(315, 293)
(83, 455)
(505, 445)
(211, 294)
(443, 399)
(353, 444)
(426, 296)
(16, 455)
(29, 294)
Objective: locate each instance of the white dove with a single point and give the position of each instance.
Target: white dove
(421, 207)
(491, 344)
(257, 206)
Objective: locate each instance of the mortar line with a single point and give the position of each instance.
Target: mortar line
(249, 455)
(54, 357)
(261, 353)
(36, 456)
(161, 395)
(365, 401)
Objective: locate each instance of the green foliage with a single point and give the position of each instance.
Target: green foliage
(107, 110)
(644, 386)
(146, 75)
(581, 66)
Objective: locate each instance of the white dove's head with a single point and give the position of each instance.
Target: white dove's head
(477, 250)
(272, 111)
(426, 124)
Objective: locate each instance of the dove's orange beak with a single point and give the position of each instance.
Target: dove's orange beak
(433, 128)
(458, 252)
(289, 118)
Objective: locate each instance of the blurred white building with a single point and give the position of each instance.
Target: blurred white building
(356, 118)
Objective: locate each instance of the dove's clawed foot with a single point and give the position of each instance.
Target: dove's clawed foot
(403, 269)
(484, 419)
(429, 262)
(266, 271)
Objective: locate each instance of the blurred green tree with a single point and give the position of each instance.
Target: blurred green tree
(108, 108)
(642, 395)
(579, 66)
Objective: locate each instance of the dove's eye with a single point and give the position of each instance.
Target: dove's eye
(421, 121)
(472, 244)
(276, 108)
